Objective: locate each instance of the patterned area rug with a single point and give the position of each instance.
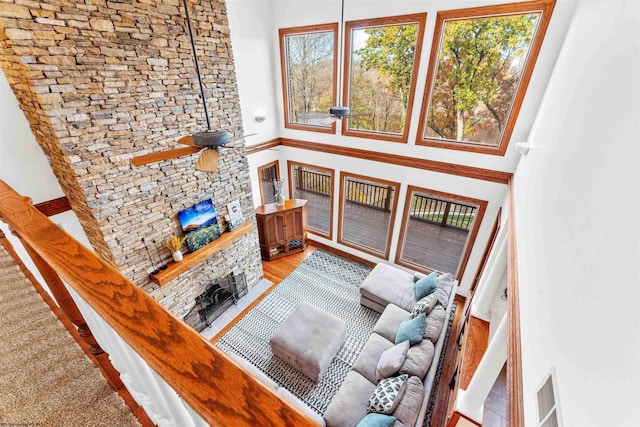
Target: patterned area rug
(327, 282)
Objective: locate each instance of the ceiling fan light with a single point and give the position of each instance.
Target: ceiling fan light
(339, 111)
(214, 138)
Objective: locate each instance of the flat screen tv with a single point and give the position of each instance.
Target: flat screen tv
(200, 224)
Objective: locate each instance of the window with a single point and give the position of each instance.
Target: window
(367, 211)
(438, 231)
(307, 56)
(314, 184)
(547, 404)
(381, 57)
(267, 174)
(481, 62)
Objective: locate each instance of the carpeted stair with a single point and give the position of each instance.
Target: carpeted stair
(45, 378)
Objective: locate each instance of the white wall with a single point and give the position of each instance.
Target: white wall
(252, 42)
(576, 201)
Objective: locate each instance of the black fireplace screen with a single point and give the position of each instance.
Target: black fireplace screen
(219, 295)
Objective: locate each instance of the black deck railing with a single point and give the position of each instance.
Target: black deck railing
(368, 194)
(442, 212)
(358, 192)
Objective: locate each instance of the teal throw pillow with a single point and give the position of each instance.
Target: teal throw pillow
(376, 420)
(426, 285)
(412, 330)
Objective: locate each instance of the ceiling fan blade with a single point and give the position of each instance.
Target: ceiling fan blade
(328, 120)
(208, 160)
(236, 138)
(186, 140)
(145, 159)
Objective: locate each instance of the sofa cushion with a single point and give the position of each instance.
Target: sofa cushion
(410, 403)
(391, 360)
(387, 395)
(443, 290)
(367, 361)
(426, 285)
(412, 329)
(435, 321)
(387, 325)
(387, 284)
(425, 305)
(418, 359)
(349, 405)
(376, 420)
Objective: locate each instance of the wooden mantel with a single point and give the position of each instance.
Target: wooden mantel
(192, 259)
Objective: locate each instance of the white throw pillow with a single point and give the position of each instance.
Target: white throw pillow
(391, 360)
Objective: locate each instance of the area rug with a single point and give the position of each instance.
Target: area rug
(327, 282)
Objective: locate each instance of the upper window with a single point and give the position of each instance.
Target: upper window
(381, 66)
(309, 72)
(481, 62)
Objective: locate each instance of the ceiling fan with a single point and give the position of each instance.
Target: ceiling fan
(206, 143)
(339, 112)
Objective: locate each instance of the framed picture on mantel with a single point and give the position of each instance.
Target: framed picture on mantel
(235, 214)
(200, 224)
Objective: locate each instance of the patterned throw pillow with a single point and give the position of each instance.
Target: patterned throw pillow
(425, 305)
(387, 394)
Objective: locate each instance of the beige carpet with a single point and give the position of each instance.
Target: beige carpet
(45, 378)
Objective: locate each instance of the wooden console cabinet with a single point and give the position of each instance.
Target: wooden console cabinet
(282, 229)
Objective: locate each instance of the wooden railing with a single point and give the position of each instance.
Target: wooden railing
(313, 181)
(205, 379)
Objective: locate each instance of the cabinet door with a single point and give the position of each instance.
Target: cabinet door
(275, 226)
(293, 223)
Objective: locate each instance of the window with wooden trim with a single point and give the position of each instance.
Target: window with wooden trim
(481, 62)
(381, 67)
(367, 212)
(438, 231)
(309, 68)
(266, 175)
(315, 185)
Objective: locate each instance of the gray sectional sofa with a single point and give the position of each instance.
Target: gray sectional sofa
(391, 292)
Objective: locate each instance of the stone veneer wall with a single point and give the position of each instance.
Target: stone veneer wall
(103, 81)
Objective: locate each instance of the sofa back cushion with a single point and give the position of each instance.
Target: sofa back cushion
(409, 406)
(418, 359)
(434, 323)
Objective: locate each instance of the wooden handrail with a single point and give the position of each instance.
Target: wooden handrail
(208, 380)
(515, 400)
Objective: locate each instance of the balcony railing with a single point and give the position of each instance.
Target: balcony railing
(442, 212)
(177, 376)
(313, 182)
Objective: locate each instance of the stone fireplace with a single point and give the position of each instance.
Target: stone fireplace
(101, 82)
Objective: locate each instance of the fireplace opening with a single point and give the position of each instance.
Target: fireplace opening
(217, 297)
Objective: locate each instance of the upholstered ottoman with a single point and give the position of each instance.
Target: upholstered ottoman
(308, 340)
